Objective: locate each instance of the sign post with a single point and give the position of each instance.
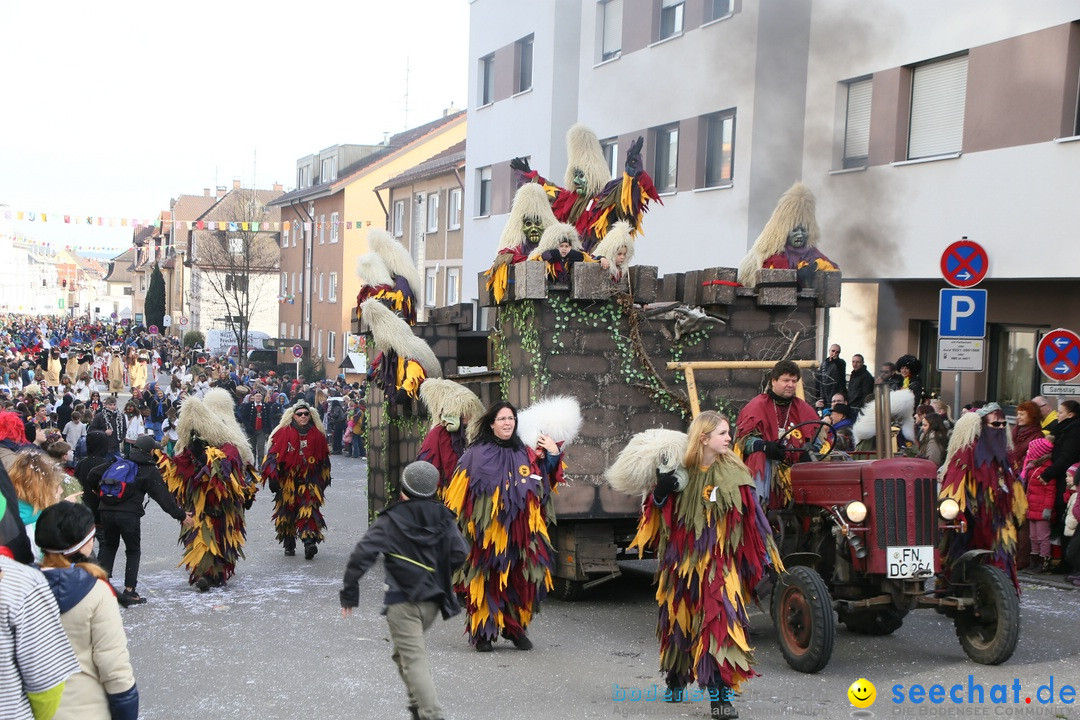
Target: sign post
(297, 352)
(962, 312)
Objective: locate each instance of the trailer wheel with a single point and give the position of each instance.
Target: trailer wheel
(883, 621)
(804, 619)
(567, 590)
(990, 637)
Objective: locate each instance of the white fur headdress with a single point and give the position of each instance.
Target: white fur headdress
(554, 235)
(634, 470)
(558, 417)
(902, 408)
(617, 238)
(203, 418)
(965, 432)
(446, 397)
(796, 207)
(396, 257)
(372, 271)
(583, 152)
(287, 416)
(390, 332)
(530, 201)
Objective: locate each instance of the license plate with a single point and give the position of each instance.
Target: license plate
(910, 561)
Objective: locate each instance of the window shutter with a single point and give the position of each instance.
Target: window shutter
(672, 3)
(613, 26)
(937, 108)
(857, 134)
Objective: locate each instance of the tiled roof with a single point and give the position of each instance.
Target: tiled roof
(395, 143)
(449, 158)
(221, 210)
(192, 207)
(120, 266)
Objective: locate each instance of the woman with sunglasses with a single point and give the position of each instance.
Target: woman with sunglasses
(979, 477)
(297, 468)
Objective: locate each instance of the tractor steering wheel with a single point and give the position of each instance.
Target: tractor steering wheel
(815, 456)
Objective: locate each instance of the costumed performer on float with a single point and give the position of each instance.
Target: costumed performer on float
(763, 421)
(212, 475)
(788, 241)
(616, 250)
(455, 414)
(387, 272)
(297, 469)
(560, 248)
(501, 494)
(713, 545)
(530, 215)
(977, 474)
(404, 361)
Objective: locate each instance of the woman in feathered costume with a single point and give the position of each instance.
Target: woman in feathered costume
(387, 272)
(405, 361)
(212, 476)
(616, 250)
(297, 469)
(502, 496)
(978, 476)
(530, 215)
(713, 546)
(455, 412)
(789, 240)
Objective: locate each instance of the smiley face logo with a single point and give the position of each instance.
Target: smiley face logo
(862, 693)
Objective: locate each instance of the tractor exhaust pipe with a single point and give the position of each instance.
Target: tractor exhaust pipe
(883, 440)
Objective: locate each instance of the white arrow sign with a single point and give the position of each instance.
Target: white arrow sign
(1061, 342)
(964, 276)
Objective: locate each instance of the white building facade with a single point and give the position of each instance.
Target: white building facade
(915, 124)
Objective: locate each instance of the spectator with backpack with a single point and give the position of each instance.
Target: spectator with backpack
(97, 455)
(122, 487)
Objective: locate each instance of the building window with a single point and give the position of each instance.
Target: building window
(524, 51)
(322, 229)
(671, 18)
(331, 344)
(610, 29)
(1013, 373)
(293, 284)
(938, 92)
(236, 245)
(611, 155)
(453, 211)
(399, 218)
(320, 287)
(857, 124)
(333, 227)
(329, 169)
(295, 231)
(239, 283)
(333, 287)
(281, 330)
(487, 80)
(303, 176)
(666, 157)
(433, 212)
(319, 353)
(483, 195)
(719, 149)
(284, 239)
(430, 282)
(284, 283)
(453, 286)
(716, 9)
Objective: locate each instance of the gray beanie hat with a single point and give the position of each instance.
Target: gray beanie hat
(419, 479)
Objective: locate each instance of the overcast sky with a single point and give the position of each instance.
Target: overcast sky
(113, 108)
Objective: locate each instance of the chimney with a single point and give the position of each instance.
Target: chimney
(236, 184)
(220, 191)
(278, 187)
(206, 192)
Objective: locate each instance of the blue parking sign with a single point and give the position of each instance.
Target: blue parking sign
(962, 314)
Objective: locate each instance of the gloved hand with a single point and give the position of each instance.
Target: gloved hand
(773, 450)
(665, 485)
(521, 164)
(1046, 514)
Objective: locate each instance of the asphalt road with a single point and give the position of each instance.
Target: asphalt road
(273, 645)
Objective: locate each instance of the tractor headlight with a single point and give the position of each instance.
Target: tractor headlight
(855, 511)
(948, 509)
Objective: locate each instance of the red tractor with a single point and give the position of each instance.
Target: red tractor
(859, 543)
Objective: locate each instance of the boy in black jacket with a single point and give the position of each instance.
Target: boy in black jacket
(122, 517)
(422, 547)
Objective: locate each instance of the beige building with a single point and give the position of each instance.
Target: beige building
(330, 212)
(432, 192)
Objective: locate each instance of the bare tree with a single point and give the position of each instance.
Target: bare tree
(239, 265)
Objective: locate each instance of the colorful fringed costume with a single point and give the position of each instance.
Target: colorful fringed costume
(396, 376)
(443, 449)
(216, 485)
(713, 545)
(992, 501)
(399, 296)
(502, 496)
(763, 418)
(297, 469)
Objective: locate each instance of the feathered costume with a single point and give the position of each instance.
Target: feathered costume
(502, 496)
(530, 203)
(992, 501)
(617, 239)
(405, 361)
(765, 418)
(713, 545)
(558, 267)
(387, 273)
(454, 412)
(212, 476)
(297, 469)
(796, 208)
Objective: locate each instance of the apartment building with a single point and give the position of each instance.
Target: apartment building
(915, 124)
